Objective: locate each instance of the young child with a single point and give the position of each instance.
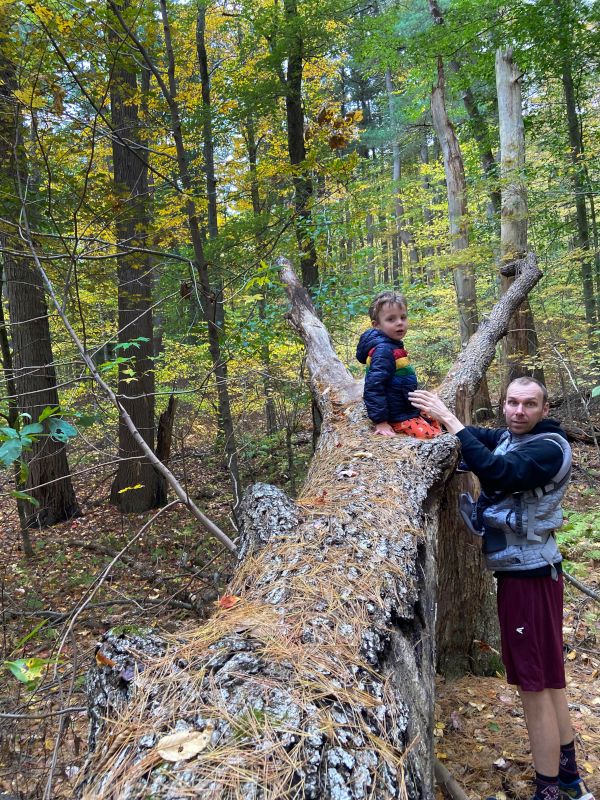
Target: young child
(390, 376)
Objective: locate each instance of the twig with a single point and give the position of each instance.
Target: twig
(445, 779)
(582, 586)
(59, 712)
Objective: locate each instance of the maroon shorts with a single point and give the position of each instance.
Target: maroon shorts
(531, 616)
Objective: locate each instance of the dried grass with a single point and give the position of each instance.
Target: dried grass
(305, 604)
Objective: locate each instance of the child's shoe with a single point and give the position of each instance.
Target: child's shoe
(577, 790)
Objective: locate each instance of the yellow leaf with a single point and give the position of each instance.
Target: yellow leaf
(184, 745)
(572, 655)
(28, 99)
(130, 488)
(589, 767)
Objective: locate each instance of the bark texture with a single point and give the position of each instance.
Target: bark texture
(464, 273)
(314, 679)
(521, 346)
(33, 374)
(136, 376)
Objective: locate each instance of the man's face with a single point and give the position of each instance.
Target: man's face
(524, 407)
(392, 320)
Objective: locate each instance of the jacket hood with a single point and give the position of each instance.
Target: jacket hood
(370, 339)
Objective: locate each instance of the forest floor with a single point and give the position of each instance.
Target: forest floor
(480, 731)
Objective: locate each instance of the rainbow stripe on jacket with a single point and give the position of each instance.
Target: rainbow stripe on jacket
(403, 365)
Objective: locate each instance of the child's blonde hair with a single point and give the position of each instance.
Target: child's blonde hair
(383, 299)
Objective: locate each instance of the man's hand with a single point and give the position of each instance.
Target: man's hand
(431, 405)
(384, 429)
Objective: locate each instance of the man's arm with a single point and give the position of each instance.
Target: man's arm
(532, 465)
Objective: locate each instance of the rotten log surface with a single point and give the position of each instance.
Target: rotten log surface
(318, 682)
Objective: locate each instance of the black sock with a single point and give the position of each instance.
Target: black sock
(546, 787)
(568, 772)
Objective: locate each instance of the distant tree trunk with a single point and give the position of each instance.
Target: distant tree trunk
(521, 346)
(464, 275)
(479, 126)
(316, 678)
(428, 251)
(49, 479)
(220, 363)
(369, 222)
(294, 109)
(13, 408)
(270, 410)
(135, 486)
(402, 235)
(582, 239)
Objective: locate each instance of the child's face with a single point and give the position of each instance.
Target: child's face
(392, 320)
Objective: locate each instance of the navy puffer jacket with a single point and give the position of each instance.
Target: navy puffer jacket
(389, 377)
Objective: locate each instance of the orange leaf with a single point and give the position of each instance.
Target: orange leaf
(104, 661)
(228, 601)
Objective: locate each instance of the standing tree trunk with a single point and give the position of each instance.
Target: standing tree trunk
(315, 677)
(265, 355)
(521, 346)
(464, 274)
(135, 487)
(580, 189)
(208, 148)
(294, 110)
(401, 235)
(48, 480)
(479, 126)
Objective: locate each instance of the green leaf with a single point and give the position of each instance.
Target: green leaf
(27, 669)
(23, 472)
(49, 411)
(108, 365)
(86, 420)
(26, 497)
(61, 430)
(133, 343)
(32, 428)
(596, 391)
(10, 451)
(9, 433)
(30, 635)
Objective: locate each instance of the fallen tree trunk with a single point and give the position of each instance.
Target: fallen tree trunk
(315, 677)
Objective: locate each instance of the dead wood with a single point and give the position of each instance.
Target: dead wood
(314, 678)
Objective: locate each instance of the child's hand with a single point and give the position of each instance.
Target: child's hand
(385, 429)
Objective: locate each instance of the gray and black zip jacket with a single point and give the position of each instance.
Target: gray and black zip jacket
(520, 505)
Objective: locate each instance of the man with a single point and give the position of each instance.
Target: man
(524, 471)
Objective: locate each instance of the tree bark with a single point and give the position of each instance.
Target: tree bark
(265, 354)
(521, 346)
(401, 236)
(315, 677)
(582, 239)
(479, 126)
(135, 486)
(48, 480)
(208, 149)
(294, 110)
(464, 274)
